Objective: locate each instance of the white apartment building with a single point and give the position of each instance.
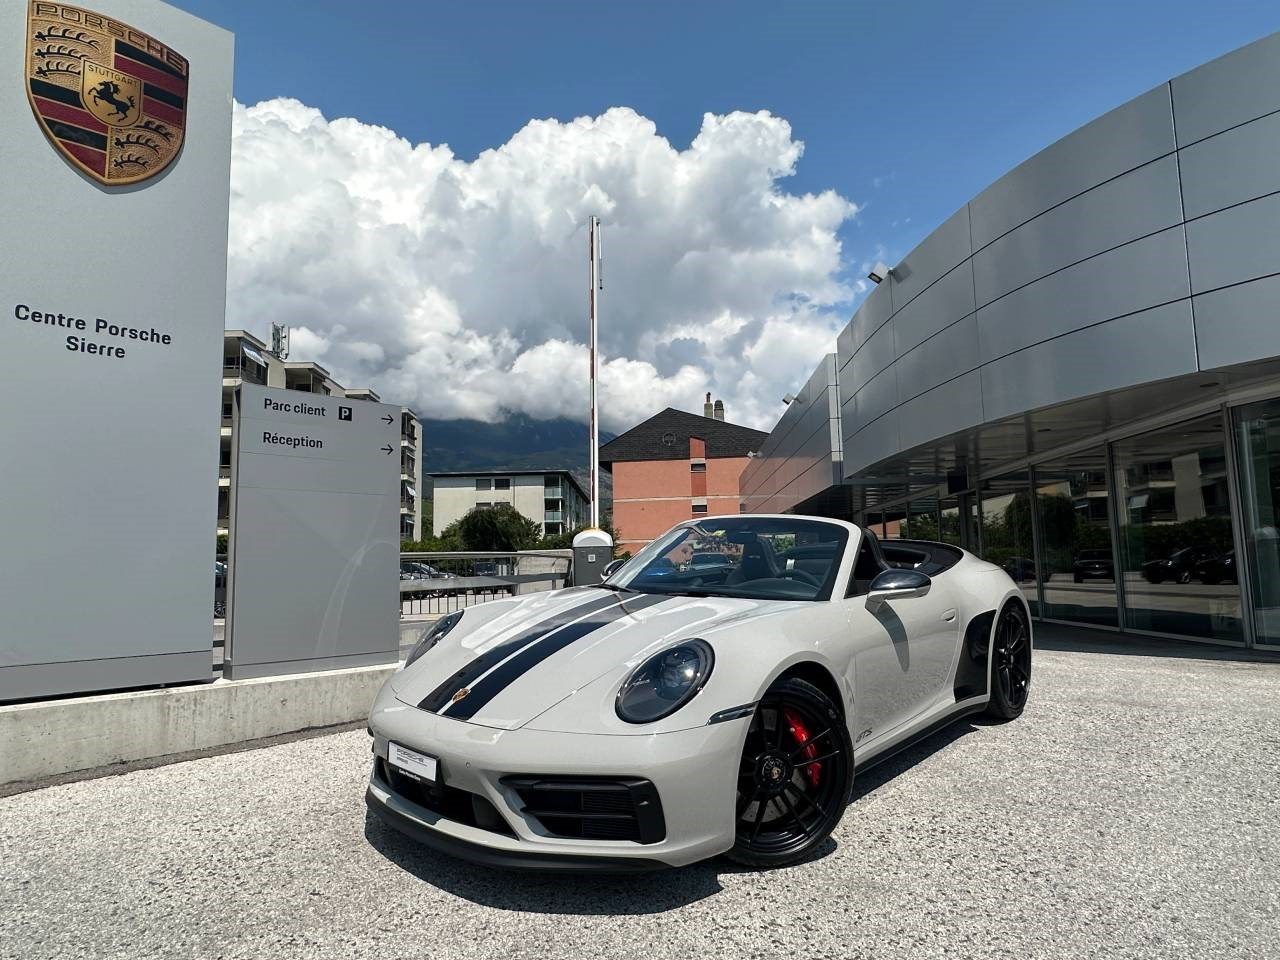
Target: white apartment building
(245, 358)
(552, 499)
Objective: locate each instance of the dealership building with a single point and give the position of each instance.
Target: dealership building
(1077, 375)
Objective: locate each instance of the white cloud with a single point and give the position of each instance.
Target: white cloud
(459, 288)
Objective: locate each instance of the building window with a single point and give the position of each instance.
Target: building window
(484, 483)
(1007, 539)
(699, 509)
(1077, 565)
(698, 467)
(1176, 545)
(502, 483)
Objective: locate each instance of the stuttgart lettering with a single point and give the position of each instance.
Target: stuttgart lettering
(112, 336)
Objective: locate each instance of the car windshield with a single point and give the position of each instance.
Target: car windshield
(766, 558)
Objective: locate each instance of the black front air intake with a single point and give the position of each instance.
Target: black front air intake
(593, 808)
(461, 806)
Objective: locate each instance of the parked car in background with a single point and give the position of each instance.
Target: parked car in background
(219, 589)
(1219, 569)
(1178, 567)
(1093, 565)
(709, 561)
(416, 570)
(1020, 569)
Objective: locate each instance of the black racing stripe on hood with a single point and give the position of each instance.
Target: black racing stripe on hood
(527, 659)
(441, 695)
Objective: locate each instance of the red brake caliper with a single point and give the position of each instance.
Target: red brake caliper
(801, 734)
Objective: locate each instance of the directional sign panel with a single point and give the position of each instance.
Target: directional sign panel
(315, 533)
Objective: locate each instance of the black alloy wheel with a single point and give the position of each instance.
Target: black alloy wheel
(795, 776)
(1010, 664)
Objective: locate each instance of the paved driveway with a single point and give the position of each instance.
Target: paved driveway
(1132, 812)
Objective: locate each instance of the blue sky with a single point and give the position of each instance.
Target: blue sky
(906, 108)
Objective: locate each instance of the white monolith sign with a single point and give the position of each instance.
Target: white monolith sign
(116, 159)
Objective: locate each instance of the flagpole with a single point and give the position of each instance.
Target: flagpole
(593, 300)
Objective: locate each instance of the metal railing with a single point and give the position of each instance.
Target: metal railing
(436, 583)
(440, 582)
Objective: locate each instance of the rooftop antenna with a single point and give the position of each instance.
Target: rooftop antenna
(280, 340)
(596, 284)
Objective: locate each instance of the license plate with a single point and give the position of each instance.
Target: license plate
(419, 766)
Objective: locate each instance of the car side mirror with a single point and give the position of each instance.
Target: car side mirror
(897, 585)
(610, 567)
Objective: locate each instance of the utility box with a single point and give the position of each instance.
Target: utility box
(592, 551)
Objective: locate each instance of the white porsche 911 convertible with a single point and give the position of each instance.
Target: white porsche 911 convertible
(686, 708)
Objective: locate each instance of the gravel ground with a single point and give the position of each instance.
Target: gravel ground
(1132, 812)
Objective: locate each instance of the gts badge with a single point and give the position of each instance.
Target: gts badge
(863, 735)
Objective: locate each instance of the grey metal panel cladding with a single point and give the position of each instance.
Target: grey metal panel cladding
(1114, 143)
(873, 442)
(1133, 277)
(1140, 348)
(879, 395)
(867, 319)
(1241, 86)
(1238, 324)
(844, 344)
(1142, 201)
(942, 410)
(874, 355)
(1233, 245)
(1232, 167)
(943, 357)
(941, 305)
(934, 256)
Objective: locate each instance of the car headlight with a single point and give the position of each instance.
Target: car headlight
(433, 636)
(665, 682)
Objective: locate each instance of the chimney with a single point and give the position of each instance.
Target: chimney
(707, 409)
(719, 410)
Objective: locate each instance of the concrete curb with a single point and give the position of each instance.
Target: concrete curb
(52, 737)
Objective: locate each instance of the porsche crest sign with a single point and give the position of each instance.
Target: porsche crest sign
(110, 98)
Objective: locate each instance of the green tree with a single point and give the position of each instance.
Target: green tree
(500, 527)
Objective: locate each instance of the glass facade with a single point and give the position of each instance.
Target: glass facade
(1174, 508)
(1008, 537)
(1173, 531)
(1076, 560)
(1258, 431)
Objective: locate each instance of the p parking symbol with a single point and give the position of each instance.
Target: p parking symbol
(344, 413)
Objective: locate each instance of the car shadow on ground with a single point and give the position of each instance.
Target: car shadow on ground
(867, 782)
(614, 894)
(552, 893)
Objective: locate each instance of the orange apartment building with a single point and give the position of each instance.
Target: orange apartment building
(674, 466)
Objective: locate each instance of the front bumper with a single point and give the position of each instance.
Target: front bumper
(694, 772)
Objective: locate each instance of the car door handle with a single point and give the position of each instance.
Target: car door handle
(948, 615)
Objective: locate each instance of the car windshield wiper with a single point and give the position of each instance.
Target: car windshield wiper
(617, 587)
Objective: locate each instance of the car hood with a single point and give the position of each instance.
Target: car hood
(545, 648)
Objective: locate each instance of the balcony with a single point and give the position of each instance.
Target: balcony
(236, 368)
